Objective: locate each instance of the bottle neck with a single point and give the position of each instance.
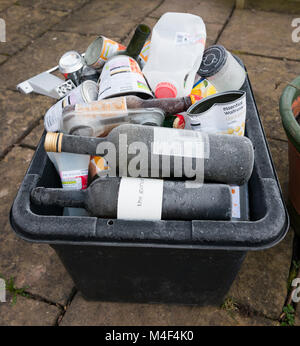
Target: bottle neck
(58, 197)
(138, 40)
(60, 142)
(170, 106)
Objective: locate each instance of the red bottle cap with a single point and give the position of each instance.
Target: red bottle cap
(165, 90)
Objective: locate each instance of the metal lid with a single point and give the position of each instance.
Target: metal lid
(89, 91)
(214, 58)
(70, 62)
(147, 116)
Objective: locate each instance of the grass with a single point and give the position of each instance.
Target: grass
(14, 291)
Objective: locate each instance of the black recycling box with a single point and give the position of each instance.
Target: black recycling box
(140, 261)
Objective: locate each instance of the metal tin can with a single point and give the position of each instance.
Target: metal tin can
(222, 113)
(100, 50)
(70, 65)
(121, 75)
(85, 92)
(89, 73)
(144, 54)
(221, 69)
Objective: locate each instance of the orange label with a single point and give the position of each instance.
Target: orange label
(103, 108)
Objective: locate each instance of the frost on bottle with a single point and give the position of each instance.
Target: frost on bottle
(177, 46)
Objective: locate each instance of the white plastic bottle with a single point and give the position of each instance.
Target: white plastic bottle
(177, 46)
(73, 172)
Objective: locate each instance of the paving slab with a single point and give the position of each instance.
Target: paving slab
(109, 18)
(40, 56)
(260, 32)
(261, 284)
(18, 113)
(66, 5)
(24, 24)
(28, 312)
(268, 78)
(33, 266)
(34, 136)
(280, 6)
(84, 313)
(211, 11)
(6, 3)
(3, 58)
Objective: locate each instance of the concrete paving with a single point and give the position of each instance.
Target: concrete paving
(38, 33)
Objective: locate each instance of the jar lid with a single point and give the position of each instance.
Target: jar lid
(214, 58)
(70, 62)
(89, 90)
(165, 90)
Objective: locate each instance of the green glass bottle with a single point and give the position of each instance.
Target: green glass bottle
(137, 42)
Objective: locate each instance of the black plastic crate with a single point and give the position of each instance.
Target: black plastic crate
(143, 261)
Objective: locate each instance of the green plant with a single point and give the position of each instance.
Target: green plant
(12, 290)
(289, 317)
(293, 273)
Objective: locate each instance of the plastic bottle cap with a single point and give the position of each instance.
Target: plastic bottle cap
(165, 90)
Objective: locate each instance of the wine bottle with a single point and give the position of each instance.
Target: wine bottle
(219, 158)
(137, 42)
(143, 199)
(168, 105)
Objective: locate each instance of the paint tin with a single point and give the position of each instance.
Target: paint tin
(85, 92)
(70, 65)
(121, 75)
(220, 68)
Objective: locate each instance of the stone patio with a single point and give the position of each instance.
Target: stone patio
(37, 35)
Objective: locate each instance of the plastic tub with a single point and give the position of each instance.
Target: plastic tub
(138, 261)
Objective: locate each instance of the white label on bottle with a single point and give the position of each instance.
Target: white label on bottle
(122, 75)
(236, 207)
(140, 199)
(222, 118)
(74, 180)
(177, 142)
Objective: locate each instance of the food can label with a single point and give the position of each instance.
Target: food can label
(74, 180)
(54, 114)
(122, 75)
(143, 57)
(140, 199)
(222, 118)
(97, 165)
(109, 48)
(202, 89)
(236, 206)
